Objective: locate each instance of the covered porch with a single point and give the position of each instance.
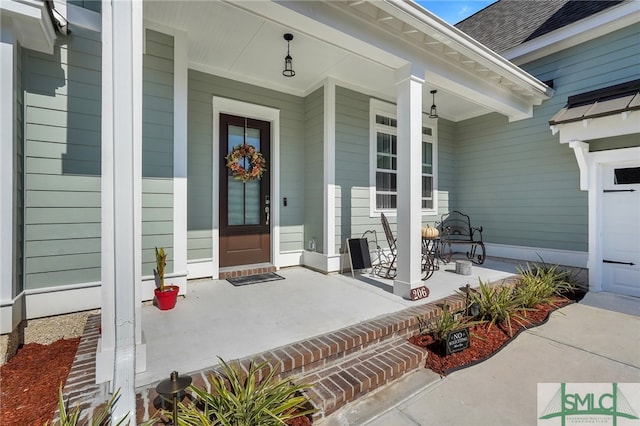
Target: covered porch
(214, 58)
(216, 319)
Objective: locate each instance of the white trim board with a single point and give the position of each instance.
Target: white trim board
(200, 268)
(576, 259)
(12, 313)
(55, 301)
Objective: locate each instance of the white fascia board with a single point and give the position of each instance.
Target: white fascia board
(430, 24)
(620, 124)
(31, 22)
(608, 21)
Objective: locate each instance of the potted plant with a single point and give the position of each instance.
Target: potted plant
(166, 295)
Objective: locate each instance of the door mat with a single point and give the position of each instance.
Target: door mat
(254, 279)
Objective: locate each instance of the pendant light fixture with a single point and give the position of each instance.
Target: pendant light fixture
(434, 112)
(288, 65)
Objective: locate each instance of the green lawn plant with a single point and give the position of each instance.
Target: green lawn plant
(101, 418)
(497, 304)
(540, 284)
(441, 325)
(240, 399)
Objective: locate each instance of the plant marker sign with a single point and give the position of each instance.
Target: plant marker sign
(419, 293)
(457, 340)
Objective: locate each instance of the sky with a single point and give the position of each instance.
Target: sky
(454, 11)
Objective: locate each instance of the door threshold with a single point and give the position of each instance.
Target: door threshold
(245, 270)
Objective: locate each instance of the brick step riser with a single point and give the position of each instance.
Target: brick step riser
(246, 272)
(342, 383)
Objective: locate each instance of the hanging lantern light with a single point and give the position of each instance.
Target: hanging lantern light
(288, 65)
(434, 112)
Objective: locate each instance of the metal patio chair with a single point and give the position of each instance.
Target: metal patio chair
(388, 269)
(455, 229)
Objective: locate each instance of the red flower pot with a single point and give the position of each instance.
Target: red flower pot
(167, 299)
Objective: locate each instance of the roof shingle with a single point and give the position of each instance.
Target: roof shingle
(509, 23)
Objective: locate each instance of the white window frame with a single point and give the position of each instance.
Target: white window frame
(377, 107)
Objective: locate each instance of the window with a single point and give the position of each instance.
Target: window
(384, 162)
(627, 176)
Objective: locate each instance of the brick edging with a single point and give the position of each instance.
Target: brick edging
(80, 389)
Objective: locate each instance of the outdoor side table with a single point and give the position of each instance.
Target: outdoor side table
(430, 247)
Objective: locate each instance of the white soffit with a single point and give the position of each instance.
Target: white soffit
(243, 41)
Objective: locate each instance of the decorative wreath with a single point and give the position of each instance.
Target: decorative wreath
(257, 163)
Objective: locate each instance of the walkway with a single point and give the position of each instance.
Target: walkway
(594, 341)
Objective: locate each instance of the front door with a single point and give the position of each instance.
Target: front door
(245, 236)
(621, 225)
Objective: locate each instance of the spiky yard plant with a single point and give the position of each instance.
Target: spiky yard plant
(540, 283)
(498, 304)
(240, 399)
(102, 418)
(439, 326)
(161, 263)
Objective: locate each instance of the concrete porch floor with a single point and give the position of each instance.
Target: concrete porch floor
(216, 319)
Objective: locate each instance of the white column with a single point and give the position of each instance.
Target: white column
(122, 35)
(180, 106)
(329, 159)
(409, 81)
(8, 59)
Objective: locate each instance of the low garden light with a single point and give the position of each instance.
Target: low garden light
(472, 309)
(172, 387)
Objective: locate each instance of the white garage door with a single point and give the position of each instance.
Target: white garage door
(621, 226)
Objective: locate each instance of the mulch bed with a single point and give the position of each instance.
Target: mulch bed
(485, 341)
(30, 381)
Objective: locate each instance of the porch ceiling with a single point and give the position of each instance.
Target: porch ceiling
(243, 40)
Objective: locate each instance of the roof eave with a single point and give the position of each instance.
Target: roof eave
(597, 25)
(471, 47)
(32, 24)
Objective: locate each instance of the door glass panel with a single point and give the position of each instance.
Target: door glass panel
(627, 176)
(243, 203)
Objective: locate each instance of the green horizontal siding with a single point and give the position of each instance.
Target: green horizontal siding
(63, 247)
(62, 162)
(446, 167)
(352, 166)
(516, 179)
(157, 149)
(314, 170)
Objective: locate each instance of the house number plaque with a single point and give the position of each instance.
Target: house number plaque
(419, 293)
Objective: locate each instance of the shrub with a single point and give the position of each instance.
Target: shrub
(102, 418)
(542, 284)
(439, 326)
(497, 304)
(239, 399)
